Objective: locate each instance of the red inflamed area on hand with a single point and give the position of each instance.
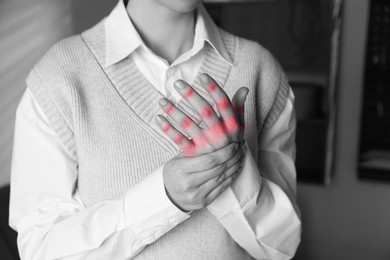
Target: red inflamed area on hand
(239, 109)
(201, 140)
(207, 112)
(231, 124)
(189, 93)
(212, 87)
(167, 128)
(187, 124)
(170, 109)
(223, 104)
(217, 131)
(190, 149)
(179, 139)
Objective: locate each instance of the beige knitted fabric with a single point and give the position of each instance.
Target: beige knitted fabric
(106, 119)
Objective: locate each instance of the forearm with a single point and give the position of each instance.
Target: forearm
(48, 213)
(64, 229)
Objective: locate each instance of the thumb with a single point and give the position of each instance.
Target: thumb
(238, 102)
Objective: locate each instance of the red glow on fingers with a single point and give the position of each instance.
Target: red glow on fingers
(167, 128)
(212, 87)
(207, 112)
(239, 109)
(190, 149)
(187, 123)
(170, 109)
(231, 124)
(189, 93)
(223, 104)
(217, 132)
(179, 139)
(201, 140)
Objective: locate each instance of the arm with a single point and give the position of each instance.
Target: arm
(48, 214)
(259, 209)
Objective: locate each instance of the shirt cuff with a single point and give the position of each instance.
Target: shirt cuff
(148, 209)
(235, 197)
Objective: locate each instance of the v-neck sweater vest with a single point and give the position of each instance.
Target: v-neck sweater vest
(105, 117)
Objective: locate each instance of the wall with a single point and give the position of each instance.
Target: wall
(86, 13)
(350, 218)
(27, 29)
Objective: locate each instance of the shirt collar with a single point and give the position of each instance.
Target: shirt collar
(122, 38)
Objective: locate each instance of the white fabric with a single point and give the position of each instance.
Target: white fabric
(41, 163)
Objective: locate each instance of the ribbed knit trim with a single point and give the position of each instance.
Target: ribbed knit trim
(279, 103)
(53, 113)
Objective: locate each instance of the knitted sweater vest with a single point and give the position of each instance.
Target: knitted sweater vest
(106, 119)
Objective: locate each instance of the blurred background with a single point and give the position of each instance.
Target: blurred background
(336, 56)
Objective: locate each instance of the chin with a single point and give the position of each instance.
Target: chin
(182, 6)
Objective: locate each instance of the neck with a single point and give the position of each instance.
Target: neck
(167, 32)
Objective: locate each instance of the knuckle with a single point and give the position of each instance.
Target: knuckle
(225, 141)
(221, 178)
(222, 189)
(202, 203)
(232, 151)
(222, 168)
(207, 111)
(187, 185)
(211, 160)
(192, 196)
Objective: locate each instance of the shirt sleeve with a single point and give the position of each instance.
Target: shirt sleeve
(259, 210)
(49, 215)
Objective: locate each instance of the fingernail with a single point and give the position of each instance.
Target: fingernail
(179, 84)
(163, 102)
(246, 93)
(204, 78)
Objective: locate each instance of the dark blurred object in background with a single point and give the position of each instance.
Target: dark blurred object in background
(374, 154)
(8, 248)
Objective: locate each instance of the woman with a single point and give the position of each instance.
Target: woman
(131, 141)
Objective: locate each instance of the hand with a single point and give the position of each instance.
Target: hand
(216, 135)
(192, 183)
(216, 131)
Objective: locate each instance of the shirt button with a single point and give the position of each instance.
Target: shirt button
(171, 72)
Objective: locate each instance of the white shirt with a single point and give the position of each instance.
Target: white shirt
(260, 217)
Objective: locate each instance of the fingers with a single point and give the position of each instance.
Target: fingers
(214, 193)
(186, 123)
(176, 136)
(225, 107)
(204, 109)
(220, 172)
(210, 185)
(210, 160)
